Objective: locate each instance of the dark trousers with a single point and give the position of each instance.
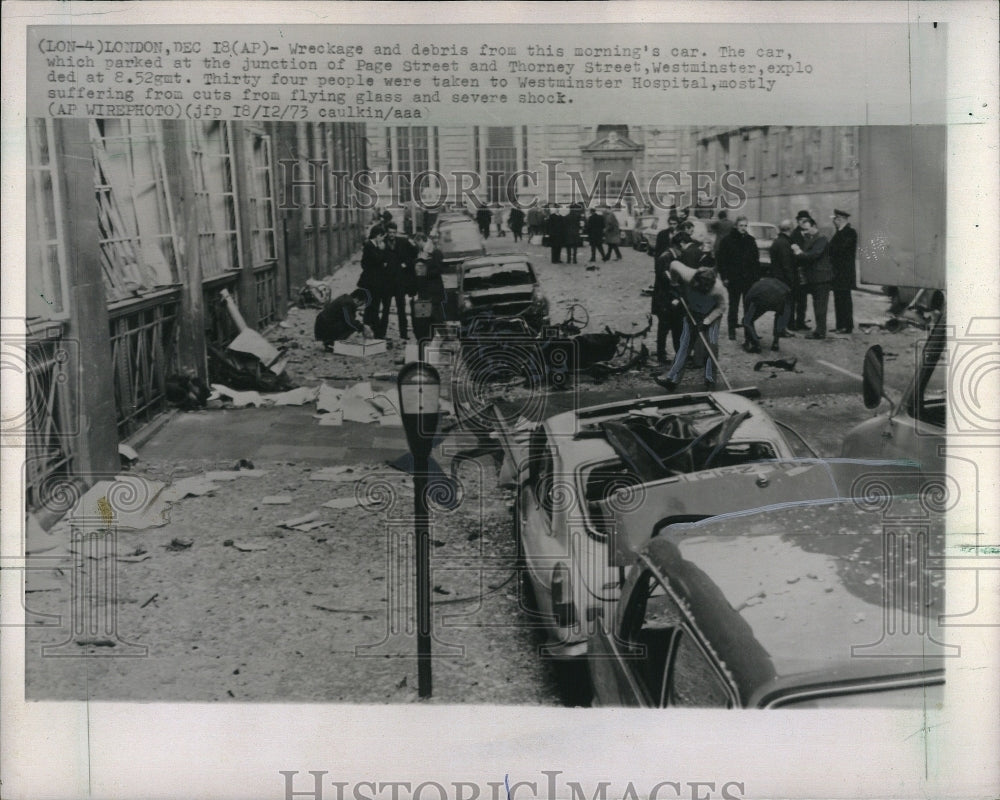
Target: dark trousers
(736, 292)
(821, 300)
(800, 296)
(754, 313)
(570, 255)
(843, 309)
(612, 248)
(672, 323)
(555, 254)
(596, 246)
(517, 234)
(377, 310)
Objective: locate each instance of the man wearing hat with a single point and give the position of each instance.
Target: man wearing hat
(799, 292)
(843, 252)
(813, 258)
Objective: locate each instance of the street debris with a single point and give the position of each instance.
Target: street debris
(341, 502)
(150, 600)
(294, 397)
(781, 363)
(338, 473)
(128, 455)
(305, 523)
(244, 547)
(237, 398)
(276, 500)
(179, 543)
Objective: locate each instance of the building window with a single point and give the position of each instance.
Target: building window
(260, 199)
(215, 197)
(136, 229)
(46, 250)
(501, 162)
(848, 152)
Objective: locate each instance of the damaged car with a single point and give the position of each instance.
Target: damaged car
(501, 286)
(575, 470)
(797, 606)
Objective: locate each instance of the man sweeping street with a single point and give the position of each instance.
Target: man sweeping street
(704, 300)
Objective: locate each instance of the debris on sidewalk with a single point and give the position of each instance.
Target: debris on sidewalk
(328, 398)
(338, 473)
(127, 454)
(244, 547)
(179, 543)
(304, 523)
(341, 502)
(294, 397)
(237, 398)
(276, 500)
(129, 501)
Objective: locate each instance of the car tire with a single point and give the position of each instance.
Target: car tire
(573, 679)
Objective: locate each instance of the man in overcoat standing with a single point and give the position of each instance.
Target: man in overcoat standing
(843, 252)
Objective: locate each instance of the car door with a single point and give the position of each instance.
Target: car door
(652, 657)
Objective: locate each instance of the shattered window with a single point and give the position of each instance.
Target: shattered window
(46, 251)
(260, 199)
(215, 197)
(136, 232)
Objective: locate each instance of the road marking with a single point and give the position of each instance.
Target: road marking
(839, 369)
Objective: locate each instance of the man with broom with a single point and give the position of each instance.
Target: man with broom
(703, 300)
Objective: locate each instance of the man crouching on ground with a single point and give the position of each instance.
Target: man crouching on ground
(339, 319)
(703, 293)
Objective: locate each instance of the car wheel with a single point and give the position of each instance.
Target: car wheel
(573, 678)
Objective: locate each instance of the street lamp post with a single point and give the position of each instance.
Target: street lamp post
(419, 406)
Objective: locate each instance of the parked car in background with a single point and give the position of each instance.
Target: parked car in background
(644, 225)
(500, 286)
(800, 606)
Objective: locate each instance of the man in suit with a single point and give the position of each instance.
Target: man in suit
(739, 268)
(843, 252)
(800, 295)
(813, 258)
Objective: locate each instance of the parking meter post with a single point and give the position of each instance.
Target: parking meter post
(423, 553)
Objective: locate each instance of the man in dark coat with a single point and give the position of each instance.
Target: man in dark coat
(722, 226)
(574, 238)
(767, 294)
(666, 305)
(373, 276)
(515, 221)
(800, 294)
(339, 319)
(813, 258)
(555, 229)
(399, 259)
(843, 252)
(783, 267)
(595, 234)
(483, 219)
(664, 239)
(739, 268)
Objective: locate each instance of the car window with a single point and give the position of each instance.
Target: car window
(694, 681)
(495, 276)
(600, 482)
(930, 403)
(649, 627)
(459, 236)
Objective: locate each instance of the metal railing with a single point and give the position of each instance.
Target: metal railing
(143, 354)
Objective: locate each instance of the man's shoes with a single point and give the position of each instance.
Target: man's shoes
(749, 347)
(815, 336)
(732, 336)
(709, 384)
(787, 334)
(774, 347)
(844, 330)
(666, 383)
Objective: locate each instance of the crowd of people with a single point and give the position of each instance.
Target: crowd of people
(699, 278)
(704, 273)
(395, 269)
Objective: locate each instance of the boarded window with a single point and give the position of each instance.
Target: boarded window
(215, 197)
(46, 252)
(135, 218)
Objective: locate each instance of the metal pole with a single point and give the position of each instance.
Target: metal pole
(423, 550)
